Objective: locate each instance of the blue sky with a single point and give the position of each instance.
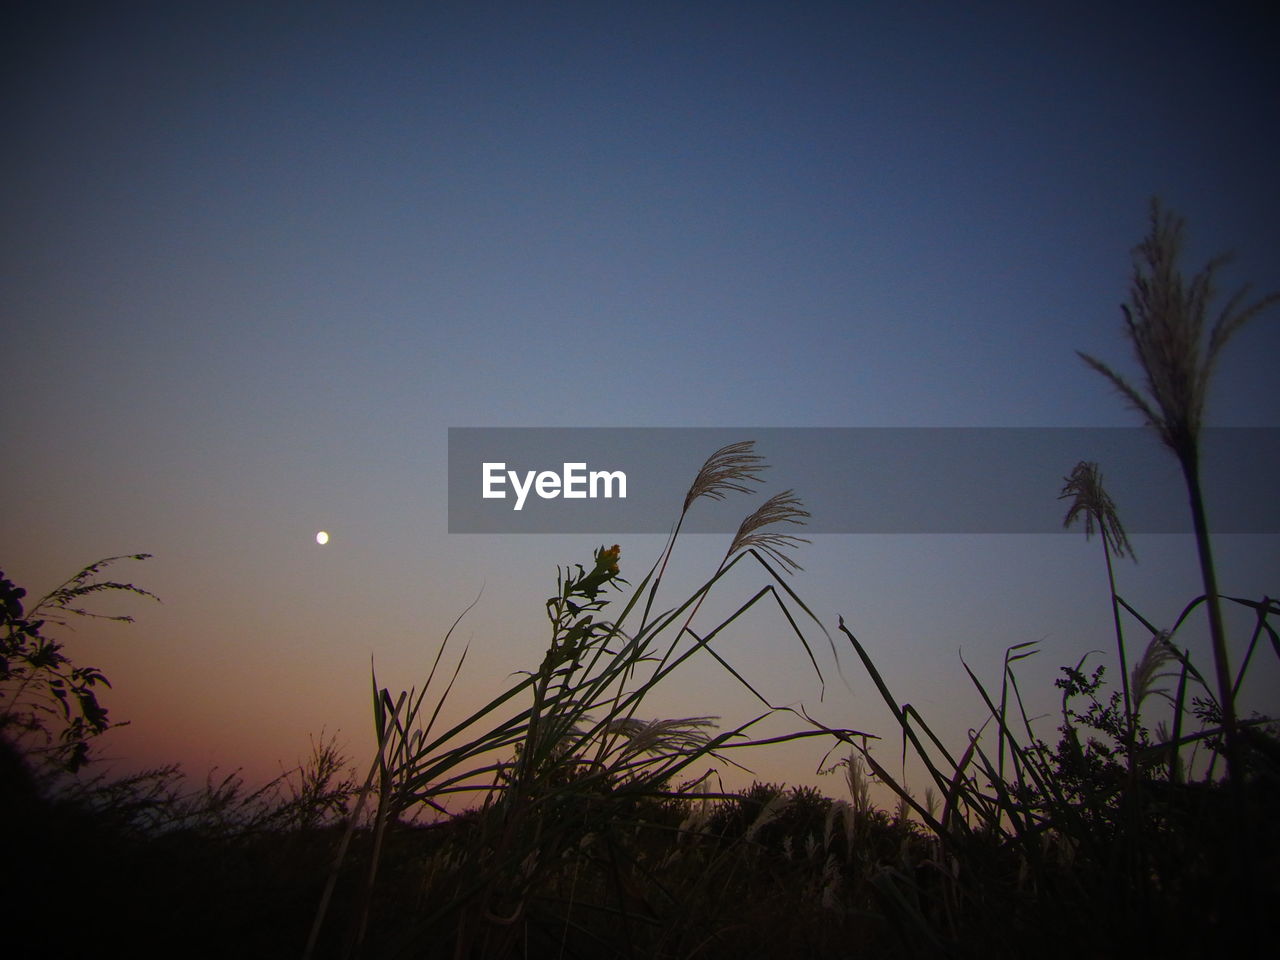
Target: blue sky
(258, 258)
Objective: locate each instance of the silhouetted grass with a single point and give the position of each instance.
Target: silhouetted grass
(585, 831)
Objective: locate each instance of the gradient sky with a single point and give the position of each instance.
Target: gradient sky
(258, 257)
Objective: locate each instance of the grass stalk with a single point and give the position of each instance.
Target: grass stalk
(1165, 321)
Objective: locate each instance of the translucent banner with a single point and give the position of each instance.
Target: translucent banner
(608, 480)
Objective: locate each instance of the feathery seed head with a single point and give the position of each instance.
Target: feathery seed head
(1150, 669)
(726, 470)
(1088, 498)
(1165, 321)
(782, 507)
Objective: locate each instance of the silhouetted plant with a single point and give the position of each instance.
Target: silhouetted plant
(561, 758)
(49, 707)
(1090, 501)
(1166, 320)
(1090, 774)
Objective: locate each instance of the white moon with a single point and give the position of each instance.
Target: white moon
(322, 538)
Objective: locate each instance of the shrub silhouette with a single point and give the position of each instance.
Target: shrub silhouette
(48, 706)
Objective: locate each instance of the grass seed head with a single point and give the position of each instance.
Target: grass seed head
(727, 470)
(1165, 322)
(1090, 500)
(782, 507)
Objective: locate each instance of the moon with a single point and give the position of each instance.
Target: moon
(322, 538)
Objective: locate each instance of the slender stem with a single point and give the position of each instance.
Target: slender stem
(1226, 693)
(1175, 764)
(1130, 719)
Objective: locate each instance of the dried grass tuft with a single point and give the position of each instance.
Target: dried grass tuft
(1165, 321)
(726, 471)
(1088, 498)
(782, 507)
(1150, 669)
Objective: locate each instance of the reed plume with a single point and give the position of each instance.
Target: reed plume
(784, 507)
(1165, 320)
(1090, 501)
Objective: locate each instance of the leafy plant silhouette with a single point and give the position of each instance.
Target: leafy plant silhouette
(48, 706)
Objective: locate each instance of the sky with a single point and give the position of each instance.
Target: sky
(257, 258)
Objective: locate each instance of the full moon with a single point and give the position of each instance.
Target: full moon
(322, 538)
